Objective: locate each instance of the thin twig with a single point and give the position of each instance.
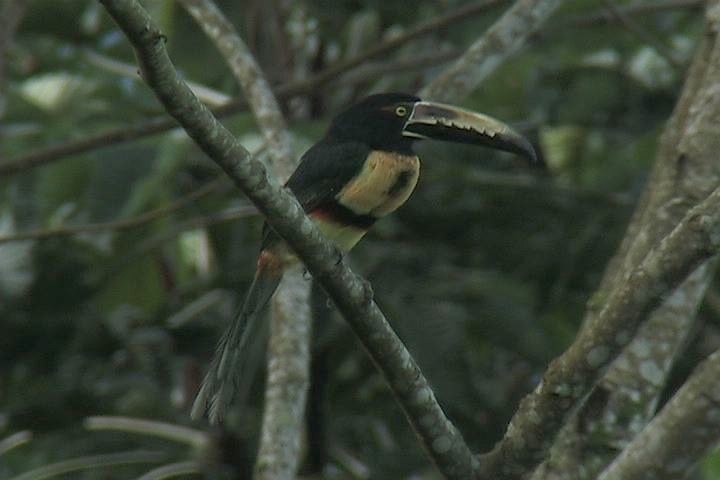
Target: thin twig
(206, 95)
(373, 71)
(642, 34)
(603, 16)
(462, 13)
(196, 308)
(118, 225)
(153, 126)
(201, 222)
(44, 155)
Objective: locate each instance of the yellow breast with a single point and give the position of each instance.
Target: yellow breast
(385, 182)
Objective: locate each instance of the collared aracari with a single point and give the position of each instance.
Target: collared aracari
(363, 169)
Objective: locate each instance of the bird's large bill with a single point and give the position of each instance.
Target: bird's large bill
(453, 124)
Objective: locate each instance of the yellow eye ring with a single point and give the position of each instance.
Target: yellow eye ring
(400, 111)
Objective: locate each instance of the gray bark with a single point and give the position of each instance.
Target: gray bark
(686, 170)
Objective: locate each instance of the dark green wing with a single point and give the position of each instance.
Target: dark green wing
(323, 171)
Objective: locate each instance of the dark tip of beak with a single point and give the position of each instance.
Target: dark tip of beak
(522, 147)
(453, 124)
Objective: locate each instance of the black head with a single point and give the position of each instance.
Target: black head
(393, 121)
(377, 121)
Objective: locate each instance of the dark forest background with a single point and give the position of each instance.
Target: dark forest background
(484, 274)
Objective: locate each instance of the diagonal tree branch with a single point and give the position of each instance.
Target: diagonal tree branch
(352, 295)
(685, 430)
(44, 155)
(118, 225)
(162, 124)
(501, 40)
(570, 376)
(641, 34)
(288, 352)
(288, 372)
(251, 78)
(154, 126)
(685, 171)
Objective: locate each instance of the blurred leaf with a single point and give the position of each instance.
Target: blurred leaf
(55, 92)
(651, 69)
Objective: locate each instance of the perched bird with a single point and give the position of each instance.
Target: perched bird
(363, 169)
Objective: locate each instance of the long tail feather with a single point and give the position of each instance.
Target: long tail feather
(226, 369)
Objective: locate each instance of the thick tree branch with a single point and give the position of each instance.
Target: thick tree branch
(626, 398)
(351, 294)
(686, 170)
(570, 376)
(501, 40)
(288, 351)
(288, 379)
(685, 430)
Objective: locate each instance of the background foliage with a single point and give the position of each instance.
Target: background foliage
(484, 274)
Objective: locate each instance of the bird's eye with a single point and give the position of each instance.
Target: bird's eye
(400, 111)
